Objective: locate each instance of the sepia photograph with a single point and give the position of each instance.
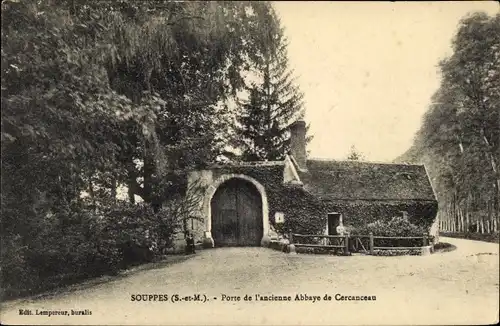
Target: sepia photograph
(250, 162)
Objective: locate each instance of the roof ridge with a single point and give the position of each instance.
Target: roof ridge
(361, 162)
(248, 163)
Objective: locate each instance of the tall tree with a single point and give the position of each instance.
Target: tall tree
(95, 94)
(197, 54)
(274, 100)
(460, 136)
(182, 60)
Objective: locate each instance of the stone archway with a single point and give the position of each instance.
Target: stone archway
(207, 209)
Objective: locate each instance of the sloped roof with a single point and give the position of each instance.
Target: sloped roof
(354, 180)
(246, 164)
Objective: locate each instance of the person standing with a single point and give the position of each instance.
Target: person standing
(190, 248)
(340, 228)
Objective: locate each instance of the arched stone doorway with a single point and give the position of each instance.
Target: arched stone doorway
(236, 209)
(207, 207)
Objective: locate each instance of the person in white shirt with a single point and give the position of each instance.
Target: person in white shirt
(340, 228)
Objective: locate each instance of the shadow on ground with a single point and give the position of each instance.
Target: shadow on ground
(89, 283)
(443, 247)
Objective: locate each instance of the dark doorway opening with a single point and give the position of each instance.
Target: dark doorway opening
(333, 222)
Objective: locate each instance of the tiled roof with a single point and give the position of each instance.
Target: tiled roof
(354, 180)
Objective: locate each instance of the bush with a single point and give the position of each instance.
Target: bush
(81, 243)
(396, 227)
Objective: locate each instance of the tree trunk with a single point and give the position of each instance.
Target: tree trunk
(148, 179)
(447, 212)
(113, 189)
(450, 219)
(489, 218)
(494, 168)
(131, 195)
(133, 186)
(467, 215)
(149, 170)
(92, 193)
(452, 215)
(462, 219)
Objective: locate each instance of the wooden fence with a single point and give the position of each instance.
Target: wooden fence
(329, 241)
(353, 243)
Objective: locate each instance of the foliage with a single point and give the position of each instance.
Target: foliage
(85, 244)
(359, 213)
(97, 95)
(82, 97)
(304, 213)
(274, 100)
(354, 154)
(459, 139)
(396, 227)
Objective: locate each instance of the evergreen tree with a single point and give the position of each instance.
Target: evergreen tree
(354, 154)
(274, 100)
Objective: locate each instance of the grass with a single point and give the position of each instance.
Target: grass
(486, 237)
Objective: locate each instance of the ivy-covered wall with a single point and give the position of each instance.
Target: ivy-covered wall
(306, 214)
(303, 212)
(361, 212)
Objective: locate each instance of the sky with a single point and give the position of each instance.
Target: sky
(368, 70)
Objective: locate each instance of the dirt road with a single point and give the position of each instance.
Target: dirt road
(458, 287)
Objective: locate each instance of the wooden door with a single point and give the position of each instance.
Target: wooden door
(333, 222)
(237, 214)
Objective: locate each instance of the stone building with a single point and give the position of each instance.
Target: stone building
(255, 203)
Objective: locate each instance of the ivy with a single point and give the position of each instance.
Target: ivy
(306, 214)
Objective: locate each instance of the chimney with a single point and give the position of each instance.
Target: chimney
(298, 143)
